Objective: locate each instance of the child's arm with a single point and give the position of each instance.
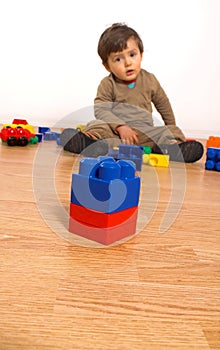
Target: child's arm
(162, 104)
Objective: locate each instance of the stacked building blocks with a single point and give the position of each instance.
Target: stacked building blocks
(128, 152)
(212, 159)
(19, 133)
(156, 160)
(42, 130)
(45, 133)
(104, 199)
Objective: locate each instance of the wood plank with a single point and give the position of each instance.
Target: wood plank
(157, 290)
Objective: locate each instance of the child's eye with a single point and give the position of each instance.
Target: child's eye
(118, 59)
(132, 54)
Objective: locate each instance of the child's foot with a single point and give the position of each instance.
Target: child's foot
(188, 152)
(75, 141)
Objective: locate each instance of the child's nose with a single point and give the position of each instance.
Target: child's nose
(127, 61)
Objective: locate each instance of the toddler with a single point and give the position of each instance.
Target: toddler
(123, 105)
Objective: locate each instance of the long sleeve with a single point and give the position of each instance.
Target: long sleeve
(162, 104)
(104, 104)
(117, 104)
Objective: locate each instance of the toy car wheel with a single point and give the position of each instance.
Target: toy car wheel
(12, 141)
(22, 141)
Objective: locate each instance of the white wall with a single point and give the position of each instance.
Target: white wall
(49, 65)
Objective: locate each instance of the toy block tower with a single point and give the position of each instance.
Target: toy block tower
(213, 153)
(104, 199)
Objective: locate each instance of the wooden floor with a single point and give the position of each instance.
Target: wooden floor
(158, 290)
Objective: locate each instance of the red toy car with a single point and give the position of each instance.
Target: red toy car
(19, 133)
(16, 136)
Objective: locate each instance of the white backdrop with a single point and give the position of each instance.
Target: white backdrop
(49, 66)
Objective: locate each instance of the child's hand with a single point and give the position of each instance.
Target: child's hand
(127, 135)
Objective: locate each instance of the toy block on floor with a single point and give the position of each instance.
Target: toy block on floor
(212, 159)
(105, 235)
(105, 185)
(104, 199)
(147, 149)
(156, 160)
(97, 218)
(43, 129)
(213, 142)
(128, 152)
(51, 136)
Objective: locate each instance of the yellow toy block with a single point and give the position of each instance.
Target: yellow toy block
(153, 159)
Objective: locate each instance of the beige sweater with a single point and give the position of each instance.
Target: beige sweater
(117, 104)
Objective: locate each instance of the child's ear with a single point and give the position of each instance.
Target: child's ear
(106, 67)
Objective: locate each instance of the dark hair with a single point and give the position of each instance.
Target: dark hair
(114, 39)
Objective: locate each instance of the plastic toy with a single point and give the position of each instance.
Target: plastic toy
(104, 199)
(50, 136)
(128, 152)
(147, 149)
(105, 185)
(213, 141)
(106, 235)
(20, 125)
(212, 159)
(18, 134)
(99, 219)
(20, 121)
(43, 129)
(160, 160)
(45, 133)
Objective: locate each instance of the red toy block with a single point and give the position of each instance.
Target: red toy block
(106, 235)
(213, 141)
(97, 218)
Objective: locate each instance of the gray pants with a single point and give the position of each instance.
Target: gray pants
(147, 135)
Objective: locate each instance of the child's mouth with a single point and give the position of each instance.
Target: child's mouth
(129, 72)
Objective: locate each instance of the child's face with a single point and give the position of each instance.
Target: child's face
(126, 64)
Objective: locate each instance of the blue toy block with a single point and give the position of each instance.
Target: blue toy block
(213, 159)
(43, 129)
(39, 137)
(51, 135)
(105, 185)
(129, 152)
